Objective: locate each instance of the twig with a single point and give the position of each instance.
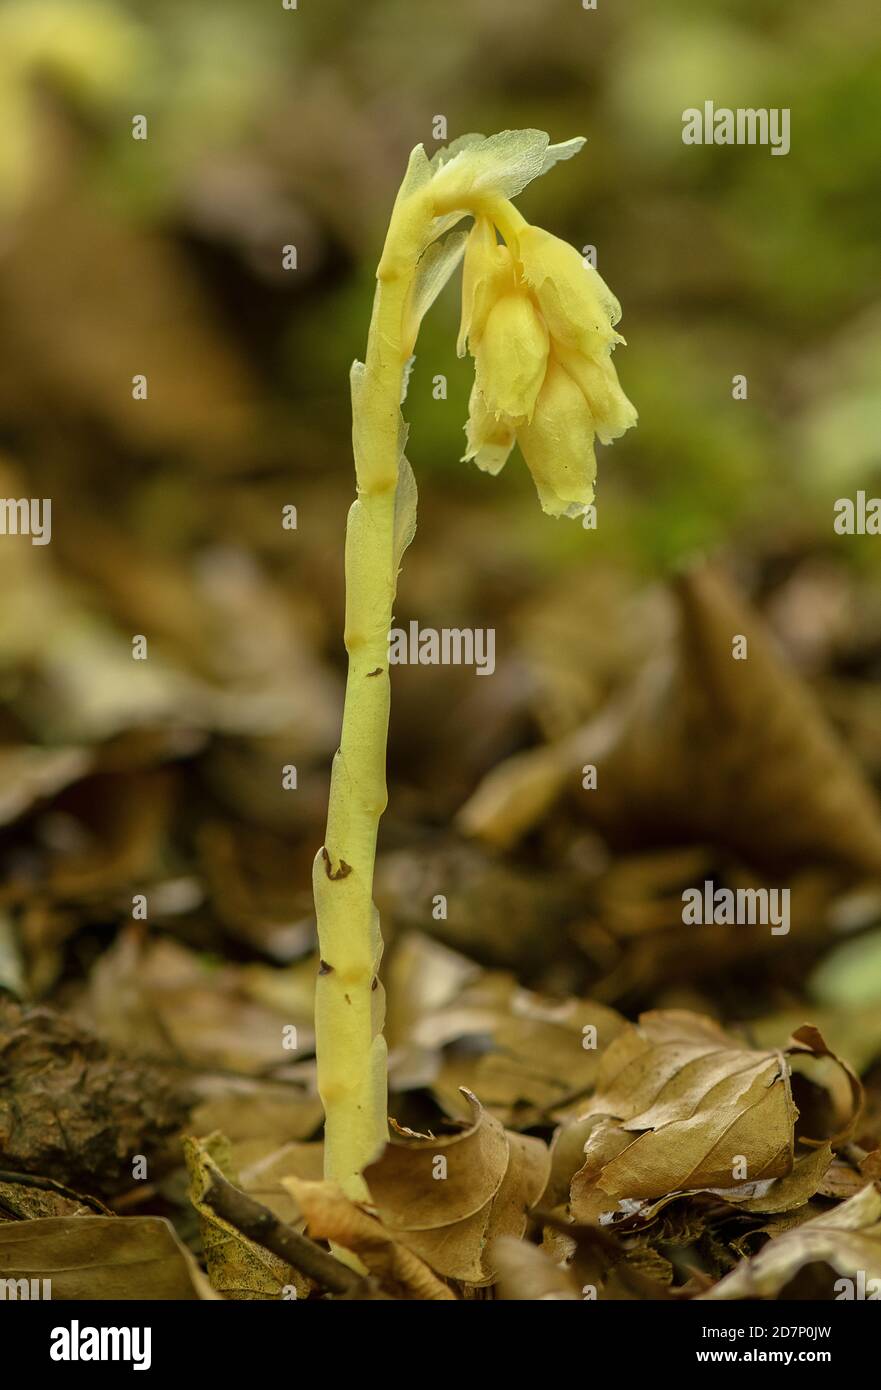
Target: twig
(259, 1224)
(49, 1184)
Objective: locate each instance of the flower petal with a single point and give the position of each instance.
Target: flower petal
(512, 357)
(596, 377)
(558, 446)
(490, 440)
(488, 271)
(578, 305)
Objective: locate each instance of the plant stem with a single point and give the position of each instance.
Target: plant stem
(350, 1004)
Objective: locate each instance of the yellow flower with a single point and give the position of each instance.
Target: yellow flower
(512, 356)
(557, 445)
(488, 270)
(596, 377)
(540, 325)
(579, 308)
(538, 320)
(490, 440)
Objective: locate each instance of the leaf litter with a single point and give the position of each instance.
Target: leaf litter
(546, 1143)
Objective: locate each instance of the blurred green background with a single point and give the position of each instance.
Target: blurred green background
(269, 126)
(127, 784)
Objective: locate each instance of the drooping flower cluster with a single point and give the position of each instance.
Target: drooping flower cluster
(538, 320)
(539, 323)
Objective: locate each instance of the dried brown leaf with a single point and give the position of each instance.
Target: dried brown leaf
(682, 1106)
(848, 1238)
(179, 1005)
(330, 1215)
(237, 1267)
(536, 1057)
(704, 748)
(409, 1198)
(102, 1257)
(526, 1272)
(447, 1197)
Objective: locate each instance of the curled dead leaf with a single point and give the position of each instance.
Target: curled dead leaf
(682, 1106)
(828, 1094)
(330, 1215)
(526, 1055)
(448, 1197)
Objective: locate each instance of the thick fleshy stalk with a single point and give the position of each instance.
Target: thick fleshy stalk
(349, 1006)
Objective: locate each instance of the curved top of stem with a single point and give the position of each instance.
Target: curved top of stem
(537, 318)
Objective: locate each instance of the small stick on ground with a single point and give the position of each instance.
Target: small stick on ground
(259, 1224)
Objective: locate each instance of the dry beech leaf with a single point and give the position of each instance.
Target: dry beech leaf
(447, 1197)
(237, 1267)
(681, 1106)
(262, 1170)
(525, 1055)
(793, 1190)
(176, 1004)
(330, 1215)
(524, 1271)
(704, 748)
(536, 1063)
(848, 1238)
(567, 1156)
(677, 1101)
(408, 1197)
(854, 1033)
(828, 1094)
(102, 1257)
(768, 1196)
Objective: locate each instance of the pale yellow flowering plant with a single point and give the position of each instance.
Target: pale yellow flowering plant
(540, 324)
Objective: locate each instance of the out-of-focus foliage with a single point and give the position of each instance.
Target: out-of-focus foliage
(270, 126)
(162, 779)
